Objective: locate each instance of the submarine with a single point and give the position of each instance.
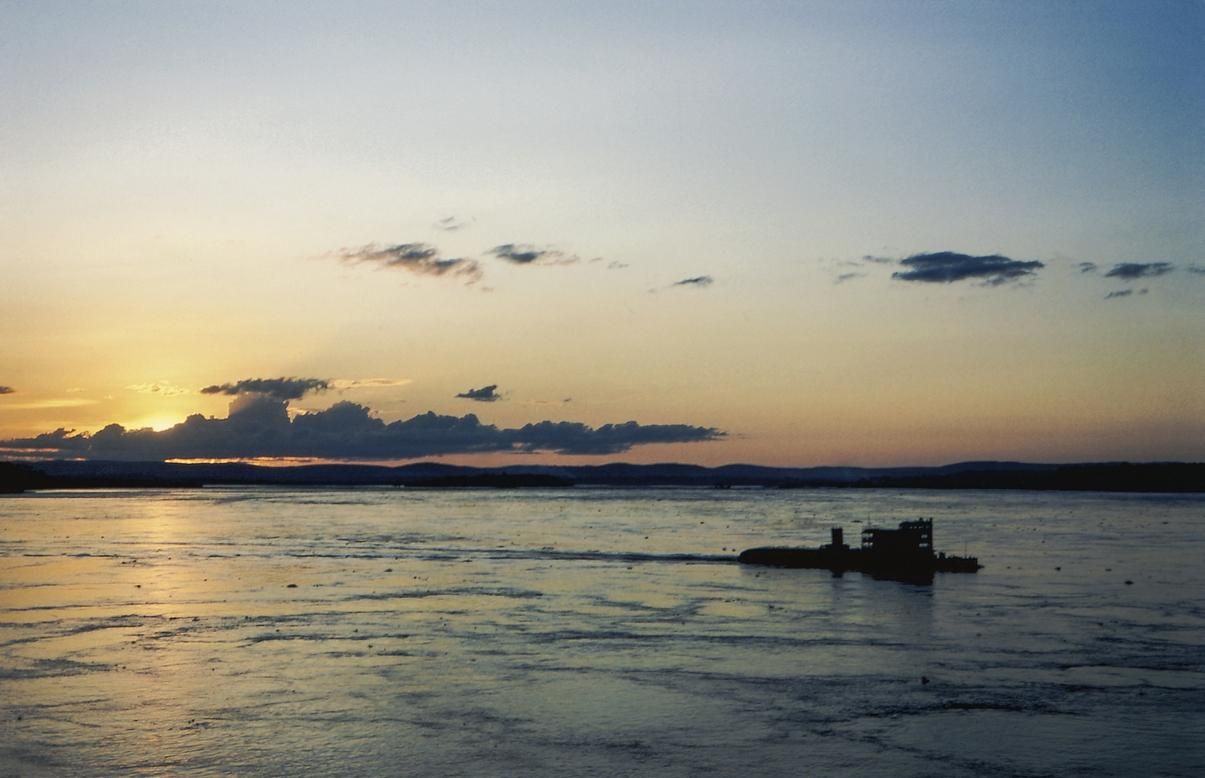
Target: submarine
(905, 553)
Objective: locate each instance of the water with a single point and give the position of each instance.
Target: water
(594, 632)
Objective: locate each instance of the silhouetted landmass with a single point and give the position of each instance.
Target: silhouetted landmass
(1107, 477)
(1111, 477)
(493, 481)
(16, 478)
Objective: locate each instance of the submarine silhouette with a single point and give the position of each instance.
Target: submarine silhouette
(905, 553)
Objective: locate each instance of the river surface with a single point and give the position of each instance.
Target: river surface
(594, 632)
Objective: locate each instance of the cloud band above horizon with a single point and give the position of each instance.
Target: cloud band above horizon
(259, 426)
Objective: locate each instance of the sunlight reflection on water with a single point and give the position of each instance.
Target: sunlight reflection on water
(593, 632)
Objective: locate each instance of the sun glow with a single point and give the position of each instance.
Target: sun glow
(157, 423)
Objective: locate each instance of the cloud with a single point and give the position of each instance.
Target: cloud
(1124, 293)
(615, 264)
(7, 390)
(525, 254)
(259, 426)
(1198, 269)
(698, 282)
(364, 383)
(278, 388)
(1131, 271)
(418, 258)
(1087, 267)
(847, 277)
(877, 260)
(452, 224)
(161, 388)
(486, 394)
(945, 267)
(562, 401)
(571, 437)
(53, 402)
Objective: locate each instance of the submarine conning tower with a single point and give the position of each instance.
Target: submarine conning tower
(912, 537)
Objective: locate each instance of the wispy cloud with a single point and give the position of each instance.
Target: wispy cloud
(694, 282)
(161, 388)
(1123, 293)
(562, 401)
(1198, 269)
(51, 402)
(452, 224)
(486, 394)
(259, 426)
(842, 278)
(697, 282)
(1132, 271)
(418, 258)
(425, 259)
(278, 388)
(1087, 267)
(367, 383)
(7, 390)
(527, 254)
(945, 267)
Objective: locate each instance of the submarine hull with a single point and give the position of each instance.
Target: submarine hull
(896, 567)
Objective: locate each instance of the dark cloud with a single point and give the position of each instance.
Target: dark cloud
(848, 277)
(1199, 270)
(7, 390)
(1131, 271)
(525, 254)
(698, 282)
(1087, 267)
(945, 267)
(279, 388)
(571, 437)
(418, 258)
(259, 426)
(878, 260)
(486, 394)
(452, 224)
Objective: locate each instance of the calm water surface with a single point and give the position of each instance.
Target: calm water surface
(594, 632)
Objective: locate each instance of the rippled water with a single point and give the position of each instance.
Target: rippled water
(225, 631)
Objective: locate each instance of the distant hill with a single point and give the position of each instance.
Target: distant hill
(1114, 476)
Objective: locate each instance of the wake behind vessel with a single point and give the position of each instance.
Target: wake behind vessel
(903, 553)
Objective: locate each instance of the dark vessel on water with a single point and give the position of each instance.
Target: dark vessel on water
(905, 553)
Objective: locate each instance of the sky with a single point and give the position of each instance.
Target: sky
(791, 234)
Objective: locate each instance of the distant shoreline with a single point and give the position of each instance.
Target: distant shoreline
(1169, 477)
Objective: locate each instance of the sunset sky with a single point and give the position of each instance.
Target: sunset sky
(780, 233)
